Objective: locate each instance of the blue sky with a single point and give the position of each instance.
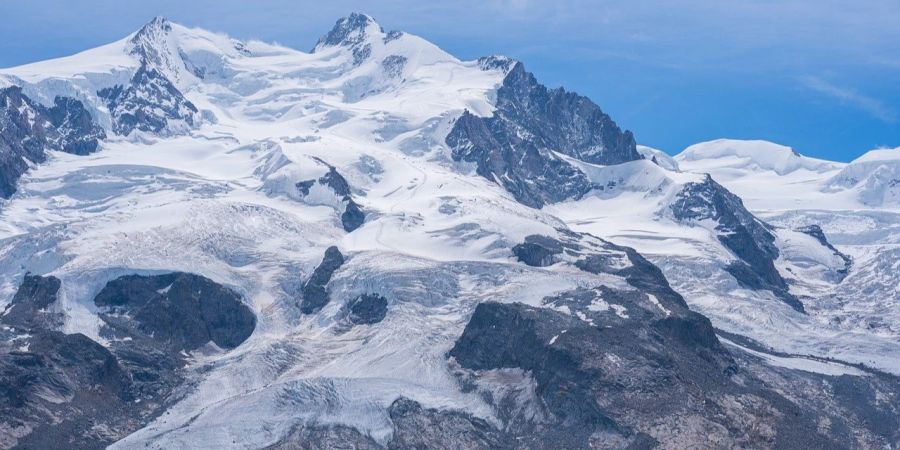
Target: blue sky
(821, 76)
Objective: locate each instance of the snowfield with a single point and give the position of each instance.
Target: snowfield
(220, 199)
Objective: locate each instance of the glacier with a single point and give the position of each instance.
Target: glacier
(531, 277)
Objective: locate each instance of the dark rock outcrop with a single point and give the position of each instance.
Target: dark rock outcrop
(594, 255)
(184, 311)
(519, 146)
(315, 293)
(325, 437)
(336, 182)
(416, 427)
(748, 238)
(30, 308)
(538, 250)
(611, 383)
(367, 309)
(150, 103)
(28, 130)
(353, 216)
(61, 391)
(347, 31)
(67, 391)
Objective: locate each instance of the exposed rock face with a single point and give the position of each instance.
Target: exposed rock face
(563, 121)
(594, 255)
(183, 310)
(648, 380)
(518, 146)
(347, 31)
(336, 182)
(538, 251)
(315, 294)
(65, 390)
(55, 388)
(150, 103)
(28, 129)
(416, 427)
(55, 393)
(748, 238)
(326, 437)
(368, 309)
(31, 306)
(353, 216)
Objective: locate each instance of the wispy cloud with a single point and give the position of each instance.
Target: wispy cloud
(852, 97)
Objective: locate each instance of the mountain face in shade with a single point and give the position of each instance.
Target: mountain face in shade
(520, 147)
(377, 245)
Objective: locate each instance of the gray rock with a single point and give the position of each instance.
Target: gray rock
(149, 103)
(368, 309)
(393, 65)
(416, 427)
(184, 311)
(325, 437)
(30, 307)
(315, 293)
(28, 129)
(594, 255)
(353, 216)
(350, 32)
(517, 146)
(65, 390)
(304, 186)
(538, 251)
(61, 389)
(605, 384)
(336, 182)
(748, 238)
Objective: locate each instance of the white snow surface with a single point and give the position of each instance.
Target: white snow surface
(849, 320)
(221, 202)
(856, 204)
(662, 158)
(748, 155)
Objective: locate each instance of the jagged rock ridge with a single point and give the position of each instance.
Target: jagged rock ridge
(28, 130)
(519, 146)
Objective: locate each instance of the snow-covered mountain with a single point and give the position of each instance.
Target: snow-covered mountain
(853, 204)
(209, 243)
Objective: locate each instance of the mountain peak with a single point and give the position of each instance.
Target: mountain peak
(151, 42)
(349, 31)
(157, 26)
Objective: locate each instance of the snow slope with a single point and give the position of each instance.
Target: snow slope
(855, 205)
(220, 201)
(220, 198)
